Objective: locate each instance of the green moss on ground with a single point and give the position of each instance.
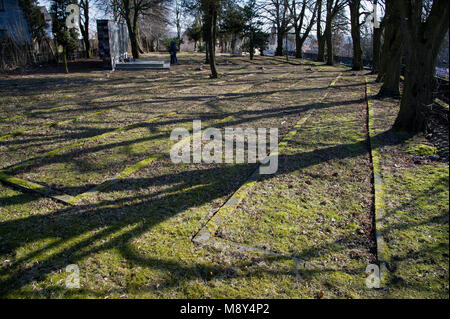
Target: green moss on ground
(415, 221)
(133, 240)
(423, 150)
(416, 235)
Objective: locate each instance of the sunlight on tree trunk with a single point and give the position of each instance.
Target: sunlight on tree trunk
(423, 39)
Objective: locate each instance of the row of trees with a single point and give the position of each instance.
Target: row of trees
(411, 30)
(227, 20)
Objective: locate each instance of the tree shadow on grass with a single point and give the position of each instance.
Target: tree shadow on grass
(89, 229)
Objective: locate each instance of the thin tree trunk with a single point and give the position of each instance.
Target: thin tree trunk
(252, 47)
(207, 52)
(298, 43)
(329, 40)
(84, 28)
(212, 25)
(87, 44)
(66, 68)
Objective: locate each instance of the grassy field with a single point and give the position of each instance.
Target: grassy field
(101, 142)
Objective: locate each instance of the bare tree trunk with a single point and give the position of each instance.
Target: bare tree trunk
(207, 52)
(139, 42)
(320, 36)
(132, 32)
(280, 38)
(252, 47)
(66, 68)
(329, 40)
(423, 41)
(376, 49)
(84, 27)
(211, 24)
(418, 92)
(233, 44)
(390, 67)
(152, 45)
(134, 44)
(356, 34)
(321, 50)
(298, 45)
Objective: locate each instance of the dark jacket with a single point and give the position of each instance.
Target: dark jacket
(173, 47)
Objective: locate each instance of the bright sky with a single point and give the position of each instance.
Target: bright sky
(94, 15)
(98, 14)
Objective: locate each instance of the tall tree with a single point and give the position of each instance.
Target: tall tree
(333, 8)
(253, 28)
(299, 18)
(390, 63)
(178, 16)
(211, 10)
(131, 12)
(377, 34)
(233, 22)
(320, 33)
(195, 31)
(84, 25)
(355, 14)
(277, 12)
(424, 25)
(66, 37)
(153, 28)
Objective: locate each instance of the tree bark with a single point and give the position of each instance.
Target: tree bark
(280, 38)
(66, 68)
(252, 47)
(418, 92)
(320, 36)
(390, 67)
(233, 44)
(356, 34)
(298, 45)
(329, 40)
(207, 52)
(298, 22)
(390, 60)
(131, 21)
(376, 50)
(423, 41)
(321, 49)
(211, 19)
(329, 31)
(84, 28)
(133, 40)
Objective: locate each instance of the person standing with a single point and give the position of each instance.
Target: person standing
(173, 53)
